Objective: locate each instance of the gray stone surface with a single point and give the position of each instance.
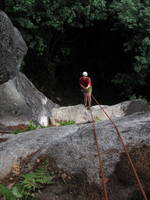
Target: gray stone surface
(73, 147)
(21, 102)
(12, 49)
(80, 114)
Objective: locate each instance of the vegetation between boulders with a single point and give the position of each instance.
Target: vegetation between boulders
(47, 182)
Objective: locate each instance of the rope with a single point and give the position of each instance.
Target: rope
(101, 164)
(126, 151)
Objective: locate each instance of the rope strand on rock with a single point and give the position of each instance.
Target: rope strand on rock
(101, 164)
(126, 151)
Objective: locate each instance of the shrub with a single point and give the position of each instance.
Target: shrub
(64, 123)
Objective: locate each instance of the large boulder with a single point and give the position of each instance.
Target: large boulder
(73, 149)
(12, 49)
(20, 101)
(80, 114)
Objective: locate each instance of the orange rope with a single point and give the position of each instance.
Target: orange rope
(126, 151)
(101, 164)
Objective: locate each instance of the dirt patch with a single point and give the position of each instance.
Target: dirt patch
(141, 161)
(70, 187)
(66, 185)
(138, 196)
(10, 129)
(22, 166)
(3, 140)
(17, 127)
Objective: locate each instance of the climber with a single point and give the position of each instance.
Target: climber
(86, 84)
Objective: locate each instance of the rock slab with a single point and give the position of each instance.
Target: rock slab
(73, 147)
(79, 114)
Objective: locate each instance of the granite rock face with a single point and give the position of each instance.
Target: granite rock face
(20, 101)
(80, 114)
(12, 49)
(73, 148)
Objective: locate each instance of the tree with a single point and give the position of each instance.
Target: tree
(44, 25)
(133, 17)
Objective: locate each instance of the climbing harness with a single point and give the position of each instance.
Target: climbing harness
(101, 164)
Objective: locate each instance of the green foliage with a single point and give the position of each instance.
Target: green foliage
(17, 191)
(134, 96)
(43, 23)
(132, 14)
(64, 123)
(143, 60)
(30, 183)
(37, 19)
(65, 51)
(35, 180)
(133, 17)
(6, 193)
(129, 83)
(30, 127)
(123, 80)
